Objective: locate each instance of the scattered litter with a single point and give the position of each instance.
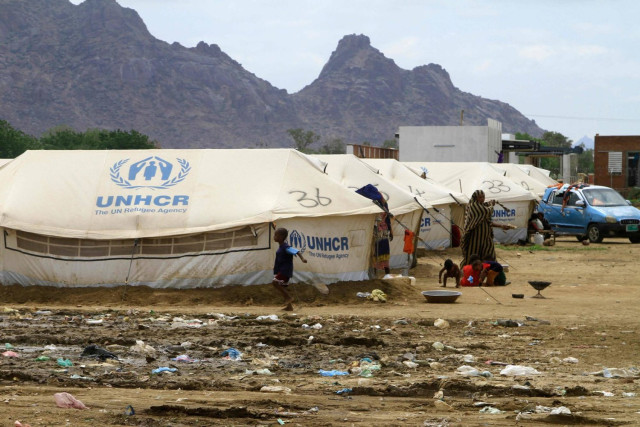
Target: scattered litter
(517, 370)
(43, 312)
(508, 323)
(332, 373)
(163, 369)
(618, 372)
(438, 346)
(66, 400)
(19, 424)
(441, 324)
(280, 422)
(129, 411)
(378, 296)
(562, 410)
(272, 317)
(629, 394)
(439, 395)
(570, 360)
(80, 377)
(401, 322)
(410, 364)
(50, 347)
(344, 391)
(10, 353)
(468, 358)
(469, 371)
(65, 363)
(363, 294)
(604, 393)
(275, 389)
(94, 321)
(97, 352)
(8, 346)
(145, 349)
(317, 326)
(491, 410)
(231, 354)
(42, 358)
(184, 358)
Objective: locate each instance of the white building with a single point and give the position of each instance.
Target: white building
(451, 143)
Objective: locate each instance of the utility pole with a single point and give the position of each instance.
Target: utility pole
(461, 116)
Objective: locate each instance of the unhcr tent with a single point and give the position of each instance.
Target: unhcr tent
(435, 228)
(177, 218)
(468, 177)
(407, 209)
(519, 176)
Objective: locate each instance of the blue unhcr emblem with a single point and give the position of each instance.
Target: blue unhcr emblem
(151, 172)
(298, 241)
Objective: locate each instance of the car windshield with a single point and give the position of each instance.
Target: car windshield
(603, 197)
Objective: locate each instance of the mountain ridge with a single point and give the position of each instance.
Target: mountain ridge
(96, 65)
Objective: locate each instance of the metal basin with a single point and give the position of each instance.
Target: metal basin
(445, 297)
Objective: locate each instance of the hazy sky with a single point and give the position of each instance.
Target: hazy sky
(571, 65)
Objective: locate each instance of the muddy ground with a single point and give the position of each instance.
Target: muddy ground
(590, 314)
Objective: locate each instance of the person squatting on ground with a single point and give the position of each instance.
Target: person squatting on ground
(490, 272)
(477, 237)
(449, 270)
(283, 265)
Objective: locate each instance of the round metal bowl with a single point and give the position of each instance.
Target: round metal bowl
(445, 297)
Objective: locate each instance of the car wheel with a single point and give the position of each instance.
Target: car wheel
(594, 234)
(635, 238)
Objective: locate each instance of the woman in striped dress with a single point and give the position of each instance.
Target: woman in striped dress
(477, 237)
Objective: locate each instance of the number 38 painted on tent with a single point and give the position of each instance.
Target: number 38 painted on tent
(307, 201)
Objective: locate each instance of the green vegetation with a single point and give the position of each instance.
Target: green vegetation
(14, 142)
(556, 139)
(303, 140)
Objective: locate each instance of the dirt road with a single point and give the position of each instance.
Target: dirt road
(587, 323)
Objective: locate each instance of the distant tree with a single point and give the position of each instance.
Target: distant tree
(390, 143)
(585, 160)
(553, 139)
(14, 142)
(366, 143)
(65, 138)
(303, 139)
(334, 146)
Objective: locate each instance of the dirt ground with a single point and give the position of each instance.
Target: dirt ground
(590, 314)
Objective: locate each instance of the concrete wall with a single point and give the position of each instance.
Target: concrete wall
(450, 143)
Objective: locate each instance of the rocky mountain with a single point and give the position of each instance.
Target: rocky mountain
(96, 65)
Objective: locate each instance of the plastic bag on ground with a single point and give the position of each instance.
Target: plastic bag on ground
(516, 370)
(66, 400)
(332, 373)
(231, 354)
(272, 317)
(145, 349)
(19, 424)
(275, 389)
(10, 353)
(378, 296)
(441, 323)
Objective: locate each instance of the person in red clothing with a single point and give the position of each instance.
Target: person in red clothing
(473, 274)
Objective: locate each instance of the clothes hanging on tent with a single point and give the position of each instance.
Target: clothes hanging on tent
(409, 237)
(382, 233)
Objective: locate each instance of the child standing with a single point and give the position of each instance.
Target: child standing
(449, 270)
(283, 265)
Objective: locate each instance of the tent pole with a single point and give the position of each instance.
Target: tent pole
(126, 281)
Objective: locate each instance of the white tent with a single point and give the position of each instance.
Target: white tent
(187, 218)
(519, 176)
(354, 174)
(468, 177)
(4, 162)
(435, 228)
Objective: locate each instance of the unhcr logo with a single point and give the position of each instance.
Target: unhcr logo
(298, 241)
(151, 172)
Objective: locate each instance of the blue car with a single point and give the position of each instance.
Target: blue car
(590, 211)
